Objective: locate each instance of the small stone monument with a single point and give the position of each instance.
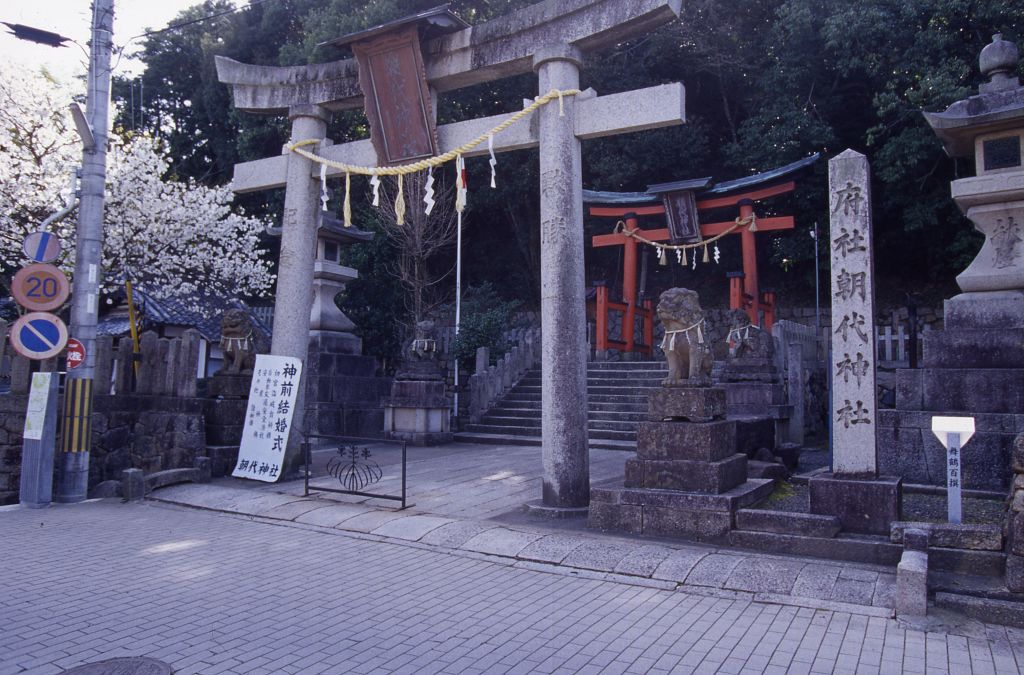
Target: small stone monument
(687, 478)
(419, 410)
(854, 491)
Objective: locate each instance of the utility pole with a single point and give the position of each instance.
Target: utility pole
(76, 441)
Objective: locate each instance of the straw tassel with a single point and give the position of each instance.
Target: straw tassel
(662, 258)
(682, 261)
(347, 208)
(400, 201)
(753, 223)
(706, 258)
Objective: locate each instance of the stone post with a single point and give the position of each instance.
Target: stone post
(294, 293)
(795, 391)
(563, 303)
(854, 493)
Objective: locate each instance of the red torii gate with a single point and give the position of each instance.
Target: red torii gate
(744, 292)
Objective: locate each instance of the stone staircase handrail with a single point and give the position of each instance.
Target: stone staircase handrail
(489, 383)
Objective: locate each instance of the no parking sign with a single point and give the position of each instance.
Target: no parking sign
(39, 335)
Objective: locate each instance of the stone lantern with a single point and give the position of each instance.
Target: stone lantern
(974, 366)
(990, 128)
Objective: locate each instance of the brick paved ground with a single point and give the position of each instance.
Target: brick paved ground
(213, 593)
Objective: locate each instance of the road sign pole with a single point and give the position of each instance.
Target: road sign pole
(39, 439)
(73, 476)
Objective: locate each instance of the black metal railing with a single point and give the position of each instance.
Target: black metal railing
(353, 465)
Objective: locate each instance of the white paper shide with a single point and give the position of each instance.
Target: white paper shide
(268, 417)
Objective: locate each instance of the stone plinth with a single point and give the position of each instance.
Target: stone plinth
(687, 479)
(227, 385)
(973, 367)
(343, 392)
(418, 412)
(863, 505)
(692, 404)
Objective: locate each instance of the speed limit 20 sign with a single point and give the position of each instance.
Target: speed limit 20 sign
(40, 287)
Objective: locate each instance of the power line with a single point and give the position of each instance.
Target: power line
(252, 4)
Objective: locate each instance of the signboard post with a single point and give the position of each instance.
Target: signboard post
(39, 441)
(268, 417)
(953, 433)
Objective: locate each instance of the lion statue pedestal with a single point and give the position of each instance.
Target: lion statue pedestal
(687, 479)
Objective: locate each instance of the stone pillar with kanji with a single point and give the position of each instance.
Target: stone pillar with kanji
(853, 491)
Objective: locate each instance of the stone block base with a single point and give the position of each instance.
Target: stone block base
(754, 433)
(863, 505)
(689, 476)
(693, 404)
(998, 310)
(912, 584)
(1015, 573)
(908, 448)
(704, 517)
(224, 385)
(697, 441)
(784, 522)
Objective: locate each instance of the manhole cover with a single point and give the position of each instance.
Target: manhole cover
(131, 665)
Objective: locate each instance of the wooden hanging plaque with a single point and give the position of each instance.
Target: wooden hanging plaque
(397, 100)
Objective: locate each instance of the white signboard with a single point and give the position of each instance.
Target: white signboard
(953, 433)
(35, 415)
(268, 417)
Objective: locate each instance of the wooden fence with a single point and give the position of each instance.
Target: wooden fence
(166, 367)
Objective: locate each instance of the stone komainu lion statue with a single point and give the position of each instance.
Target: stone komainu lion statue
(240, 342)
(747, 340)
(686, 346)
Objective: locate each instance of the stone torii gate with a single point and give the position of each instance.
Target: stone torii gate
(549, 38)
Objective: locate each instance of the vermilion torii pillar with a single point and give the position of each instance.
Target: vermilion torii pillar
(551, 37)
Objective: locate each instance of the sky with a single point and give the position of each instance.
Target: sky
(71, 18)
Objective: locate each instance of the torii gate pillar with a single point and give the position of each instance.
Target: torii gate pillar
(563, 291)
(295, 271)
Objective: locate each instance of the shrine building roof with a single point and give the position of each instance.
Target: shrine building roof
(702, 186)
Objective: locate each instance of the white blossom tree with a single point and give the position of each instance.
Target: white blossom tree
(170, 238)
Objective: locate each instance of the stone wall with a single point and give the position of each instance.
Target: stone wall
(151, 433)
(12, 422)
(129, 432)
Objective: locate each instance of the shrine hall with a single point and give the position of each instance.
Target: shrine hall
(681, 204)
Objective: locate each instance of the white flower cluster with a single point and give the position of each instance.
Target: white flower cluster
(168, 237)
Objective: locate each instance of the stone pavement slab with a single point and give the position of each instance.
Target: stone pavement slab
(411, 528)
(551, 549)
(642, 560)
(501, 541)
(332, 515)
(679, 565)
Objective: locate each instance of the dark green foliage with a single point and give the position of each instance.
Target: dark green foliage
(767, 82)
(484, 319)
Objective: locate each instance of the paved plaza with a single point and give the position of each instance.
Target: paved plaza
(260, 580)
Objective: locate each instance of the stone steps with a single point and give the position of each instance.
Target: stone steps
(506, 439)
(616, 404)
